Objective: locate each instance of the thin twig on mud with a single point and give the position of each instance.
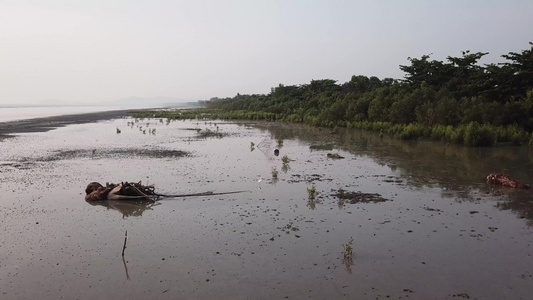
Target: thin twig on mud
(125, 240)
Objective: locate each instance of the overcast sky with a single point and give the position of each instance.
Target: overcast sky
(91, 51)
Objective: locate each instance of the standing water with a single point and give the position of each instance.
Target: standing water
(342, 214)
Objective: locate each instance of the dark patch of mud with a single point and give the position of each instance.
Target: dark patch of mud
(335, 156)
(16, 165)
(360, 197)
(114, 153)
(295, 178)
(207, 133)
(321, 147)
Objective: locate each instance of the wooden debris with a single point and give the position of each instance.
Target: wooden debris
(500, 179)
(125, 240)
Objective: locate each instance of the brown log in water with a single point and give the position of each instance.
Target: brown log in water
(503, 180)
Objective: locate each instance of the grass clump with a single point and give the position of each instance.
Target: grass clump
(478, 136)
(311, 192)
(347, 249)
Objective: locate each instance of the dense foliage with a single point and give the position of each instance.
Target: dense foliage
(457, 101)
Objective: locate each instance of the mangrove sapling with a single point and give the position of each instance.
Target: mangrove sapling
(280, 142)
(285, 159)
(311, 192)
(347, 249)
(118, 131)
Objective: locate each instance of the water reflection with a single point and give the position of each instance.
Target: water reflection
(126, 268)
(460, 172)
(127, 208)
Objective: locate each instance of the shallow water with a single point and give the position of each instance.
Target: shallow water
(444, 233)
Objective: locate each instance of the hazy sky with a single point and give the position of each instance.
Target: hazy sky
(83, 51)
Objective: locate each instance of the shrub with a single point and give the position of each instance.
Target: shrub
(478, 136)
(412, 131)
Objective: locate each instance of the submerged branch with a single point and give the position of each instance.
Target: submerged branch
(199, 194)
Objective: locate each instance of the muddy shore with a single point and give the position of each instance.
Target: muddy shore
(391, 220)
(7, 129)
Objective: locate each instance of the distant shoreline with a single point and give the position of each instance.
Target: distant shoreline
(10, 128)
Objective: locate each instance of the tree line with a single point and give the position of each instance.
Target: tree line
(456, 100)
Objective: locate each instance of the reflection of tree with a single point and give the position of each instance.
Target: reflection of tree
(518, 201)
(127, 208)
(459, 171)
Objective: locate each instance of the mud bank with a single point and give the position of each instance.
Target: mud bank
(7, 129)
(443, 233)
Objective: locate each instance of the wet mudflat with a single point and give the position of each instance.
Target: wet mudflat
(424, 223)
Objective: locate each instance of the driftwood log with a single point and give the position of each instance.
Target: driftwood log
(134, 191)
(123, 191)
(500, 179)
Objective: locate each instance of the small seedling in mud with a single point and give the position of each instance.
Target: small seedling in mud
(311, 192)
(347, 249)
(280, 142)
(252, 144)
(285, 159)
(118, 131)
(275, 173)
(341, 193)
